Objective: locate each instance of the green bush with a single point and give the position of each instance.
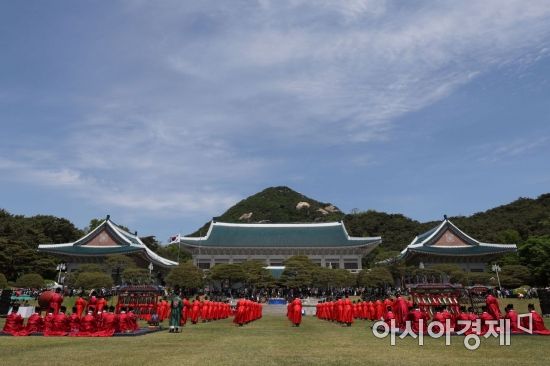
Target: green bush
(3, 281)
(375, 277)
(136, 276)
(186, 275)
(93, 280)
(30, 280)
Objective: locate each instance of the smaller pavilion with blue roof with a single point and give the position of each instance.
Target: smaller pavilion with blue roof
(446, 243)
(105, 240)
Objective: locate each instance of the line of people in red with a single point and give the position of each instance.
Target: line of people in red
(204, 310)
(99, 324)
(344, 311)
(247, 311)
(402, 310)
(94, 304)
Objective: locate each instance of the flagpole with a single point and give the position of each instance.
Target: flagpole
(179, 247)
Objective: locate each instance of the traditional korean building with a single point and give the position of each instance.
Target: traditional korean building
(105, 240)
(446, 243)
(327, 244)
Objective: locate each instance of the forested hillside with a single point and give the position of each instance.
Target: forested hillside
(525, 222)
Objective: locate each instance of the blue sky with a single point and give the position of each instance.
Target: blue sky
(164, 114)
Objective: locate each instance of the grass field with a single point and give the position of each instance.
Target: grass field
(268, 341)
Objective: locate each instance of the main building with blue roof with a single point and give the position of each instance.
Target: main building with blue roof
(327, 244)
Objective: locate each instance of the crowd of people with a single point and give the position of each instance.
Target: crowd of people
(92, 316)
(247, 311)
(179, 311)
(94, 323)
(400, 311)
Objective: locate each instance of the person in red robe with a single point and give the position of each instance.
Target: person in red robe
(92, 303)
(123, 322)
(251, 311)
(56, 300)
(448, 316)
(239, 313)
(537, 321)
(288, 310)
(14, 322)
(318, 310)
(108, 325)
(388, 302)
(48, 321)
(60, 324)
(101, 303)
(132, 320)
(472, 317)
(205, 309)
(439, 317)
(401, 311)
(492, 307)
(340, 310)
(296, 316)
(364, 310)
(185, 311)
(87, 325)
(35, 323)
(372, 311)
(347, 313)
(389, 316)
(80, 304)
(414, 316)
(195, 311)
(74, 321)
(462, 320)
(379, 307)
(485, 316)
(162, 310)
(512, 315)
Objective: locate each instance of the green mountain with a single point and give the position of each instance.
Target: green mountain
(277, 205)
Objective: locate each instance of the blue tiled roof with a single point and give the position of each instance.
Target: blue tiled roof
(279, 235)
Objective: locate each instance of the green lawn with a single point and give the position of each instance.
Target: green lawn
(269, 341)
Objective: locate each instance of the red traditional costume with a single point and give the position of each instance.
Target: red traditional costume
(55, 302)
(492, 307)
(297, 312)
(14, 324)
(347, 316)
(80, 304)
(109, 325)
(195, 311)
(101, 303)
(35, 324)
(87, 326)
(537, 322)
(60, 326)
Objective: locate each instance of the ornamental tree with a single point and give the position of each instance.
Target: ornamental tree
(30, 280)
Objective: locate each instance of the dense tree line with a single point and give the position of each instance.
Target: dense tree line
(20, 237)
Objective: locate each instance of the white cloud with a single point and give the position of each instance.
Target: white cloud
(492, 153)
(218, 91)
